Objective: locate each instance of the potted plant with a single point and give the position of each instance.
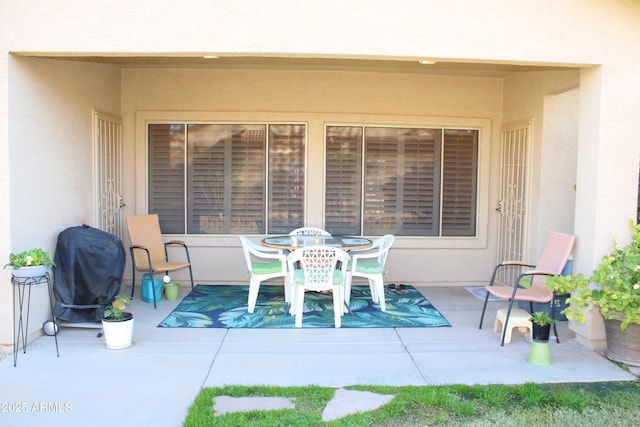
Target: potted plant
(32, 263)
(540, 353)
(542, 322)
(617, 295)
(117, 324)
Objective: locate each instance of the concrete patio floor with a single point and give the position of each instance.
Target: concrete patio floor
(155, 381)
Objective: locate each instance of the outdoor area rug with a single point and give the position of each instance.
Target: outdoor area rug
(225, 306)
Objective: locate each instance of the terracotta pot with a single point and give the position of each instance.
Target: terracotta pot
(623, 346)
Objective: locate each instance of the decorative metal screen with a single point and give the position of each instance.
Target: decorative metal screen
(107, 133)
(513, 198)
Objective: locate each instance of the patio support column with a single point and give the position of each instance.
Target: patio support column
(607, 172)
(6, 294)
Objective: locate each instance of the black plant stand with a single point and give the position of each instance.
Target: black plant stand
(22, 289)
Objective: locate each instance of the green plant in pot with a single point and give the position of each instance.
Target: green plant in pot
(31, 263)
(117, 324)
(542, 322)
(616, 294)
(115, 311)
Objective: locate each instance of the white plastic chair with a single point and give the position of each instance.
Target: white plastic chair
(370, 264)
(263, 264)
(318, 268)
(309, 231)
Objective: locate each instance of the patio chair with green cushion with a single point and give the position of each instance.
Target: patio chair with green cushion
(370, 264)
(551, 263)
(263, 263)
(149, 251)
(309, 231)
(318, 268)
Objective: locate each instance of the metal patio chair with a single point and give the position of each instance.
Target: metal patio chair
(149, 251)
(529, 285)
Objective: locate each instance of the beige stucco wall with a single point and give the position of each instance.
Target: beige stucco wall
(550, 101)
(50, 158)
(317, 98)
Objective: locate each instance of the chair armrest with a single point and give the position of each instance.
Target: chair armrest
(508, 264)
(539, 273)
(375, 254)
(176, 243)
(520, 263)
(133, 248)
(355, 259)
(531, 273)
(268, 254)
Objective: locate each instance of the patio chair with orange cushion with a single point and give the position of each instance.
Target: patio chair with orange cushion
(529, 285)
(149, 251)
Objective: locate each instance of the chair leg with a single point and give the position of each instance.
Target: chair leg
(287, 294)
(133, 278)
(153, 287)
(254, 287)
(553, 316)
(506, 322)
(291, 309)
(484, 308)
(486, 298)
(337, 306)
(193, 297)
(378, 284)
(375, 297)
(347, 289)
(299, 305)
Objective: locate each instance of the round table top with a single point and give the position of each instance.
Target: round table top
(348, 243)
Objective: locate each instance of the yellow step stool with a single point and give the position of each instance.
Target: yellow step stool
(519, 319)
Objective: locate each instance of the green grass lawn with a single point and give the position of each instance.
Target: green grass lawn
(593, 404)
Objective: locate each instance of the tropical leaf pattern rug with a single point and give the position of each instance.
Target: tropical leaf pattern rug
(225, 306)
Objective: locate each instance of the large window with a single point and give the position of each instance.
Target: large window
(227, 178)
(404, 181)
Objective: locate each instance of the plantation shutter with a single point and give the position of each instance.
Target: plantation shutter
(286, 177)
(226, 178)
(381, 210)
(401, 181)
(459, 182)
(343, 189)
(247, 185)
(166, 175)
(420, 182)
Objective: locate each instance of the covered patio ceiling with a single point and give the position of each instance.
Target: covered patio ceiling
(396, 65)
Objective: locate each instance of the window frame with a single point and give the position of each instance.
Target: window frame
(268, 124)
(485, 136)
(136, 181)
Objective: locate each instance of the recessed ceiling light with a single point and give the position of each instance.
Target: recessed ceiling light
(210, 57)
(427, 62)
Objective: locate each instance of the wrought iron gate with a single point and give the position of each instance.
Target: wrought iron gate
(512, 206)
(108, 200)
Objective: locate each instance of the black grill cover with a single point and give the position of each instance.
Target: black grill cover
(88, 272)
